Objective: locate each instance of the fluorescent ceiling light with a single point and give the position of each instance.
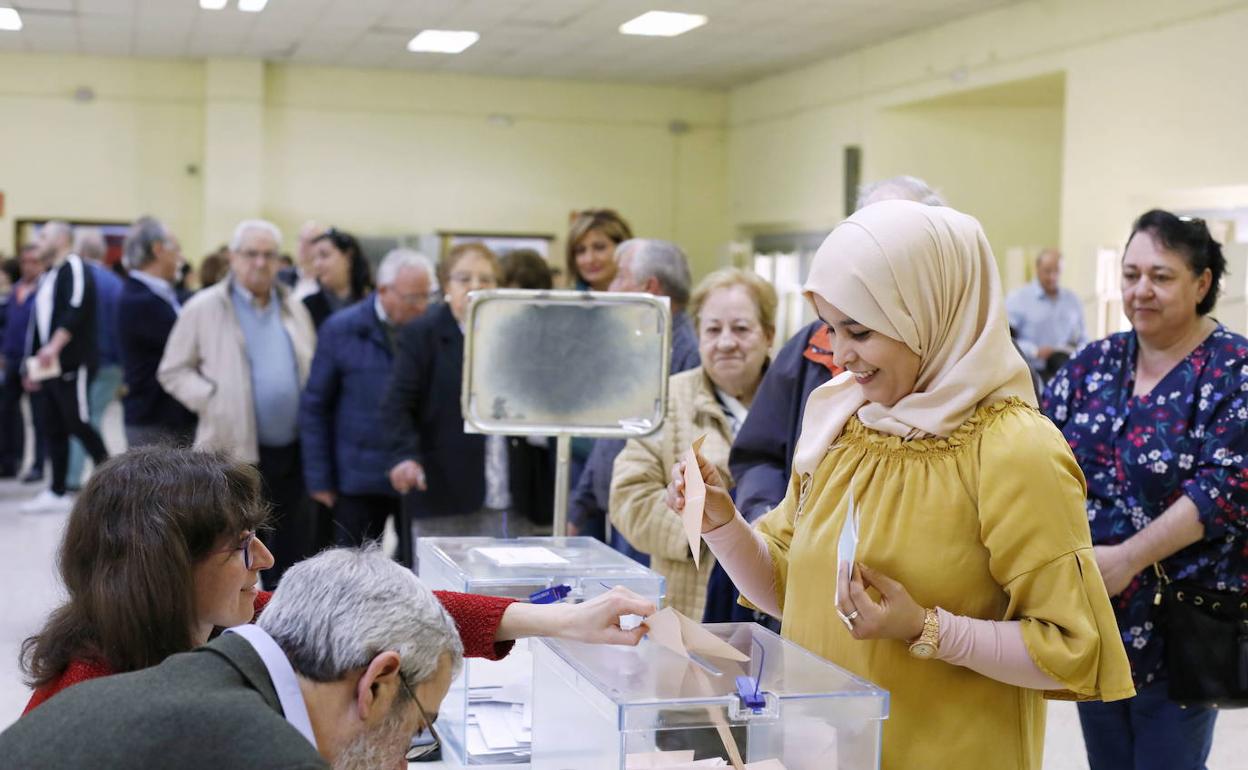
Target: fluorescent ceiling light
(212, 5)
(252, 6)
(662, 23)
(442, 41)
(9, 20)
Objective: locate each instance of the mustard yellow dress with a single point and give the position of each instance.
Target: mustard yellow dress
(987, 523)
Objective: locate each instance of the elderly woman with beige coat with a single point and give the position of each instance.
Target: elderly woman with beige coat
(733, 312)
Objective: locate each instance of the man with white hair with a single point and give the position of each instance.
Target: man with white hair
(351, 657)
(238, 357)
(654, 267)
(62, 335)
(345, 453)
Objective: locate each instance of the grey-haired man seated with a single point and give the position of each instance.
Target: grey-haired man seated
(351, 657)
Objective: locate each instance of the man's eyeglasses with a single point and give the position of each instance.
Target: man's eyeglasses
(423, 751)
(245, 547)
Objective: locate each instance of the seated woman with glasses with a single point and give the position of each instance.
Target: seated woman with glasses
(460, 483)
(161, 552)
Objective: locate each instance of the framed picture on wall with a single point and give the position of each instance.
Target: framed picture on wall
(26, 230)
(499, 243)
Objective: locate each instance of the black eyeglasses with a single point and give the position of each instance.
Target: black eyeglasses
(424, 751)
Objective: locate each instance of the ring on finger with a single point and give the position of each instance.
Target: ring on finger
(851, 617)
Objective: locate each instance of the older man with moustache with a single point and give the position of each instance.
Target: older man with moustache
(238, 357)
(345, 454)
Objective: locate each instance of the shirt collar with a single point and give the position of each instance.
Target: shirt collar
(285, 682)
(153, 282)
(380, 311)
(244, 294)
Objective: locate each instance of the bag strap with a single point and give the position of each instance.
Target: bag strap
(1163, 580)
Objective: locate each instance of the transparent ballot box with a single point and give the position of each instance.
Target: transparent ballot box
(623, 708)
(486, 716)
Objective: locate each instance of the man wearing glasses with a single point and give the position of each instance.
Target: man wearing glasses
(351, 657)
(343, 434)
(238, 357)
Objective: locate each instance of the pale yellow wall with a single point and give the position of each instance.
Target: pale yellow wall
(395, 152)
(124, 154)
(1154, 100)
(376, 151)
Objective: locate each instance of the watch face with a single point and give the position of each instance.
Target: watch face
(922, 650)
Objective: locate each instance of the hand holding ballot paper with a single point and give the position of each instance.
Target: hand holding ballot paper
(697, 492)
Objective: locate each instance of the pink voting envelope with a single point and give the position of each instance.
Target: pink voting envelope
(695, 500)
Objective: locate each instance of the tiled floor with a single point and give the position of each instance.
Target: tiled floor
(29, 589)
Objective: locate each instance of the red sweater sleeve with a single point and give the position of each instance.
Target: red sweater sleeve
(477, 617)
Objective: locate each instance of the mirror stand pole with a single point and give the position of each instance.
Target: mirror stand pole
(563, 460)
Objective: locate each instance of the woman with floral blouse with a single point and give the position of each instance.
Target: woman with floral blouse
(1158, 420)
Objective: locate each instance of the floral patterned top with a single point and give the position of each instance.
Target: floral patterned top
(1189, 436)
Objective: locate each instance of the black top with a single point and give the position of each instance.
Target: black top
(73, 309)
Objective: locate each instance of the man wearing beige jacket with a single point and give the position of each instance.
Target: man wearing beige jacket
(238, 357)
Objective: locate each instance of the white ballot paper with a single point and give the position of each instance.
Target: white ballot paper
(500, 720)
(846, 547)
(521, 556)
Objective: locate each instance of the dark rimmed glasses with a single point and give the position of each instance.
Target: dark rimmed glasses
(424, 750)
(244, 546)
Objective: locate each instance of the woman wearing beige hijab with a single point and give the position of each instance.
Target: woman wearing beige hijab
(973, 588)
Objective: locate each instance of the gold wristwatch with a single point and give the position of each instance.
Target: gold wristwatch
(928, 643)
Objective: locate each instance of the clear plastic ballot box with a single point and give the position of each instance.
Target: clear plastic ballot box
(625, 708)
(486, 717)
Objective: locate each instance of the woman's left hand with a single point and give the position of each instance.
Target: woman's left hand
(894, 616)
(1117, 567)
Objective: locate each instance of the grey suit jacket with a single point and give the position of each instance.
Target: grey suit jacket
(209, 709)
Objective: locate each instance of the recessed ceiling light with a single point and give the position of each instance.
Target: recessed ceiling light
(212, 5)
(662, 23)
(9, 20)
(442, 41)
(252, 6)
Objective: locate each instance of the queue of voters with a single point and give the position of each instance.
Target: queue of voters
(881, 404)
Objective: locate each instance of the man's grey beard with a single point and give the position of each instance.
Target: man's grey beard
(380, 747)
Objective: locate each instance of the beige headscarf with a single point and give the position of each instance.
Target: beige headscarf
(924, 275)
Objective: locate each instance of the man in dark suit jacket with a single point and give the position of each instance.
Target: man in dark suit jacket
(341, 429)
(148, 308)
(303, 688)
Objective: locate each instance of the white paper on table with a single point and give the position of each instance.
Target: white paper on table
(495, 725)
(647, 760)
(520, 556)
(474, 742)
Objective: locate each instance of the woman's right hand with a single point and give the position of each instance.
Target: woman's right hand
(718, 509)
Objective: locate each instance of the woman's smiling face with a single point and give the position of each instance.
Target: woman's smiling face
(887, 370)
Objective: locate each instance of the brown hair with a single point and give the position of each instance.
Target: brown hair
(606, 221)
(762, 292)
(135, 533)
(526, 269)
(462, 250)
(213, 268)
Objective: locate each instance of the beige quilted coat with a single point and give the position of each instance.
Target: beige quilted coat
(639, 486)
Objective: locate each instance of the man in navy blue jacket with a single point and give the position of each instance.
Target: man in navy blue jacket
(147, 310)
(346, 454)
(12, 349)
(62, 332)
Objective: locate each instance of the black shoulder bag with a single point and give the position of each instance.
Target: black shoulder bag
(1206, 638)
